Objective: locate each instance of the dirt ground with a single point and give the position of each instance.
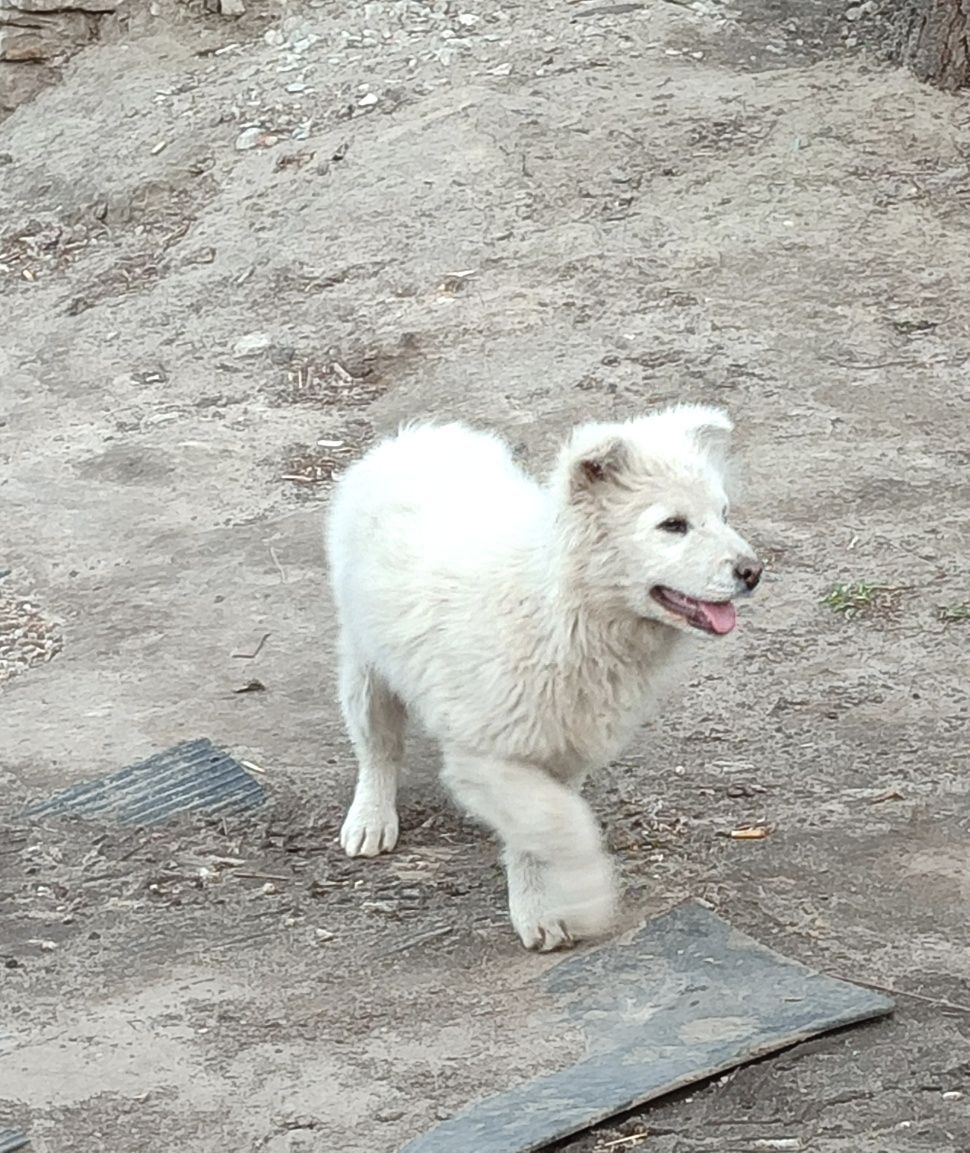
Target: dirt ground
(231, 253)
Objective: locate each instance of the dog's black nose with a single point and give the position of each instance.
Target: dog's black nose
(749, 571)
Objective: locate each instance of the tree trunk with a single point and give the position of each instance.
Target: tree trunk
(933, 39)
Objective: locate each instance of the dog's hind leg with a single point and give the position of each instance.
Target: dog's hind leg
(375, 720)
(561, 886)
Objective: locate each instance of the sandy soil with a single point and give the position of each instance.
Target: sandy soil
(223, 243)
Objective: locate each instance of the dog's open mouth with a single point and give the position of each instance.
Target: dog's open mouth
(716, 617)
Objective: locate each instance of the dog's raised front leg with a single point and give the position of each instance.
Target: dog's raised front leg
(561, 886)
(375, 719)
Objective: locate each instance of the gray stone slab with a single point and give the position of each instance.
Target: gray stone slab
(681, 999)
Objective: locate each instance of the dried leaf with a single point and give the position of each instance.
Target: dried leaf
(251, 687)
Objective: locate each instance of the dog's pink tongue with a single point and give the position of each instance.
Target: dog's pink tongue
(719, 615)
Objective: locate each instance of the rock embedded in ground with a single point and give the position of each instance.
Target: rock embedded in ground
(42, 32)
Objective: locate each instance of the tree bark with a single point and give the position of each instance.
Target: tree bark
(932, 37)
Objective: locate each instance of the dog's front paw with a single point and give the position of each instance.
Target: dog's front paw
(540, 932)
(369, 829)
(554, 906)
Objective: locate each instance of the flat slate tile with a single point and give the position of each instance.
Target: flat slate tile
(682, 999)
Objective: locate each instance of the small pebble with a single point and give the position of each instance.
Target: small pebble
(251, 343)
(249, 138)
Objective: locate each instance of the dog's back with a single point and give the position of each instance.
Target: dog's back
(430, 490)
(423, 517)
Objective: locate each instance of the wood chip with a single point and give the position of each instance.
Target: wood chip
(888, 795)
(747, 833)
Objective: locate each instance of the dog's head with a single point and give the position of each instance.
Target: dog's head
(647, 518)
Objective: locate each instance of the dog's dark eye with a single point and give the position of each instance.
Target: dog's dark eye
(674, 524)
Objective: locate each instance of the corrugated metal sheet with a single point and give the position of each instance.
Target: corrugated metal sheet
(191, 777)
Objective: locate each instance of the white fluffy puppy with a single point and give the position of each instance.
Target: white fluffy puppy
(526, 627)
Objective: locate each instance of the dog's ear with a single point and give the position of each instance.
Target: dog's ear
(710, 428)
(604, 464)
